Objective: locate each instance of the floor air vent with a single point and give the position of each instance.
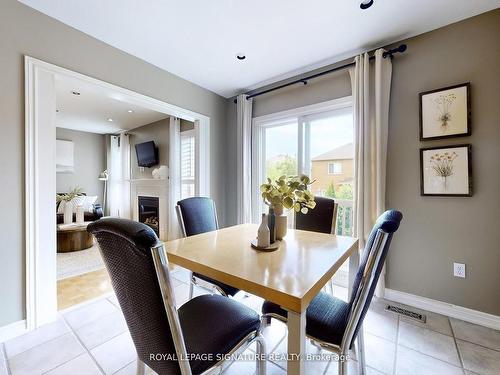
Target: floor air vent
(408, 313)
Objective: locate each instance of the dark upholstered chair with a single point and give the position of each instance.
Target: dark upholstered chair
(208, 325)
(323, 218)
(199, 215)
(334, 324)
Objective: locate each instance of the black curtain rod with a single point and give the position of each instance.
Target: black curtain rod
(304, 80)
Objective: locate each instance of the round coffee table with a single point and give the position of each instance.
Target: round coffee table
(73, 238)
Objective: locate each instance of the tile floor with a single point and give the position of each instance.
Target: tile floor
(93, 339)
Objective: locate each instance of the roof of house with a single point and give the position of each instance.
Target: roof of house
(343, 152)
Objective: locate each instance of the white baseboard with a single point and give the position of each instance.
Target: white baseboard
(444, 308)
(12, 330)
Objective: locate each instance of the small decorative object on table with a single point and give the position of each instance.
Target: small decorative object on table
(79, 214)
(263, 234)
(68, 206)
(287, 192)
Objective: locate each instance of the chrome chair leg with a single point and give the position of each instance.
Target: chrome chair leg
(191, 286)
(361, 351)
(141, 367)
(261, 353)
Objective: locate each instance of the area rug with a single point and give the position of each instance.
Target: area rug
(78, 262)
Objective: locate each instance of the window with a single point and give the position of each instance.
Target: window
(187, 164)
(335, 168)
(316, 140)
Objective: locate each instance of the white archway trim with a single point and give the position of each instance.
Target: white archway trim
(40, 184)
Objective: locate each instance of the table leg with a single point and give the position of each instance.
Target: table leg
(296, 343)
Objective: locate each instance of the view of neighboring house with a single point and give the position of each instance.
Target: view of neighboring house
(333, 170)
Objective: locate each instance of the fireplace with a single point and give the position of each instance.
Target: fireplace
(149, 212)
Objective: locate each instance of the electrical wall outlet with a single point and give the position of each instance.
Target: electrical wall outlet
(459, 270)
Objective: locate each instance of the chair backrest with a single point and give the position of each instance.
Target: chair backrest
(370, 267)
(197, 215)
(126, 248)
(323, 218)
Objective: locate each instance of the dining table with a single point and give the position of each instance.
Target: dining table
(290, 276)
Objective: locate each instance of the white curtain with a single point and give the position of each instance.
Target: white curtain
(243, 159)
(119, 176)
(371, 93)
(174, 186)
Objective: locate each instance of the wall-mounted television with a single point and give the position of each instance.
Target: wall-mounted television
(147, 154)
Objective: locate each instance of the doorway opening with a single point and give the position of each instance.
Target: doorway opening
(85, 161)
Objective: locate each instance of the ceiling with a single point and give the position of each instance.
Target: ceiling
(91, 110)
(198, 39)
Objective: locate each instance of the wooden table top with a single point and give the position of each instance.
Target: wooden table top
(290, 276)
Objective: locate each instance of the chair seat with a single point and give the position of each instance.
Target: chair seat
(212, 324)
(326, 317)
(229, 290)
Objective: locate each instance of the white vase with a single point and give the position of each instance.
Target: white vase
(281, 222)
(79, 214)
(281, 226)
(263, 234)
(68, 212)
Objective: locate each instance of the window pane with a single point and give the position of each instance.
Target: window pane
(281, 150)
(332, 153)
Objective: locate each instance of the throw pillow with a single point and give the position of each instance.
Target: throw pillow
(88, 204)
(77, 201)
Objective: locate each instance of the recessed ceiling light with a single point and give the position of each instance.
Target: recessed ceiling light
(366, 4)
(241, 56)
(75, 93)
(110, 119)
(130, 111)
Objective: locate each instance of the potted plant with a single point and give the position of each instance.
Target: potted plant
(65, 199)
(287, 192)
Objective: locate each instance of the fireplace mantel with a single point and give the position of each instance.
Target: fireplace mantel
(151, 188)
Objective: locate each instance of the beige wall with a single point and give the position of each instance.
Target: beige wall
(158, 132)
(319, 172)
(436, 231)
(24, 31)
(89, 161)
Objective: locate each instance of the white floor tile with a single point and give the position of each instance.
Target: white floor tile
(131, 369)
(410, 362)
(479, 359)
(241, 368)
(379, 353)
(380, 322)
(428, 342)
(114, 301)
(274, 334)
(484, 336)
(3, 361)
(82, 365)
(35, 338)
(89, 312)
(46, 356)
(182, 274)
(102, 330)
(273, 369)
(181, 294)
(115, 354)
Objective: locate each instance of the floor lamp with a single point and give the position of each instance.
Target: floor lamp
(103, 176)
